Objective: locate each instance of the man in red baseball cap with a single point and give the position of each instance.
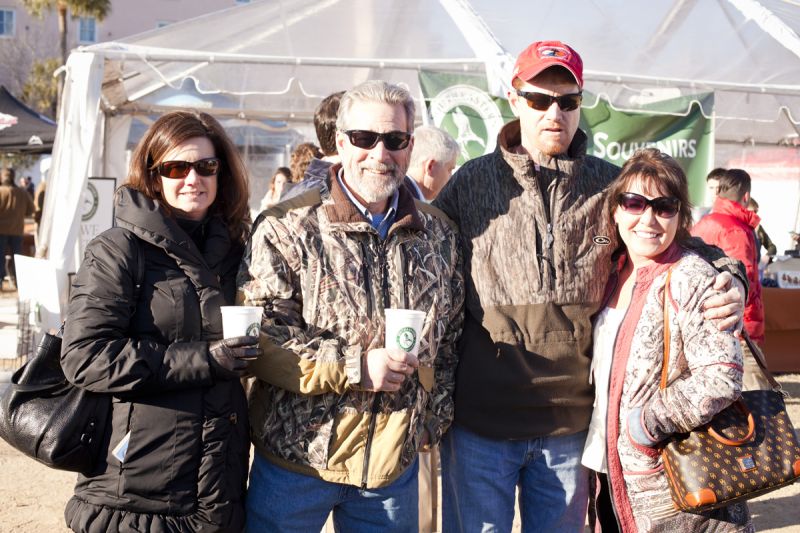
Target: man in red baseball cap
(537, 254)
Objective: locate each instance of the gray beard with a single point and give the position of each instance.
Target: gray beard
(372, 191)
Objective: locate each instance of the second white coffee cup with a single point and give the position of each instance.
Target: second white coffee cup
(239, 320)
(404, 329)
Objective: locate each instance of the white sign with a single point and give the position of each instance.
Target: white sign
(96, 208)
(37, 284)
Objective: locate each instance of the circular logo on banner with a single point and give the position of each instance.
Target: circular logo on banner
(470, 116)
(89, 202)
(406, 338)
(252, 329)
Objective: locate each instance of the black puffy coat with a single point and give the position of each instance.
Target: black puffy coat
(186, 464)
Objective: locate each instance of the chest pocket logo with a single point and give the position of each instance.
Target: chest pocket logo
(602, 240)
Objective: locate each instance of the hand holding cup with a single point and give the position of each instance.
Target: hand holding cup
(385, 369)
(241, 326)
(229, 357)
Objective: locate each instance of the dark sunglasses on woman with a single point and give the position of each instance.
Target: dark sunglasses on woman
(180, 169)
(635, 204)
(367, 140)
(542, 102)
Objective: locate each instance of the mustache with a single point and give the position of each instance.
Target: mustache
(378, 167)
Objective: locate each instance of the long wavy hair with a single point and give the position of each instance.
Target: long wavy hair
(174, 128)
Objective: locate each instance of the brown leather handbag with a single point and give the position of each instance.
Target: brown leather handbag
(748, 449)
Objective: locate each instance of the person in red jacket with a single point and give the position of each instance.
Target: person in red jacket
(731, 226)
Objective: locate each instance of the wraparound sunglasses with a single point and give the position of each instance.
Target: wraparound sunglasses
(542, 102)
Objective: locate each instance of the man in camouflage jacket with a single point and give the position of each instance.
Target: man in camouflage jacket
(337, 419)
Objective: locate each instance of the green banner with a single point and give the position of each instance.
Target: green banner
(688, 137)
(461, 105)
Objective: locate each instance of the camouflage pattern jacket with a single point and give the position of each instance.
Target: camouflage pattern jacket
(704, 377)
(317, 253)
(537, 254)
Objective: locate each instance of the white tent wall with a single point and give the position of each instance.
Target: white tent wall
(777, 221)
(115, 143)
(77, 154)
(268, 64)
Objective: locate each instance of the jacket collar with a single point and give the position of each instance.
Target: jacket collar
(736, 210)
(318, 168)
(341, 210)
(145, 218)
(524, 164)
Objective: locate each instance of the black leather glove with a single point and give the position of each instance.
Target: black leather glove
(229, 357)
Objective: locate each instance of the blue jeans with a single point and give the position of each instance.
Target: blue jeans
(15, 243)
(480, 475)
(279, 500)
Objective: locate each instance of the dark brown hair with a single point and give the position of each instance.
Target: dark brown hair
(174, 128)
(716, 173)
(660, 175)
(734, 184)
(325, 122)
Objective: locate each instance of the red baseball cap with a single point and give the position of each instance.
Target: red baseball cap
(544, 54)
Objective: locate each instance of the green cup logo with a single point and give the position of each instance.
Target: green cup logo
(252, 329)
(406, 338)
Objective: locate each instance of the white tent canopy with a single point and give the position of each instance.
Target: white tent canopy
(271, 55)
(264, 66)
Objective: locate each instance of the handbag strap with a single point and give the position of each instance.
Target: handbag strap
(665, 362)
(757, 353)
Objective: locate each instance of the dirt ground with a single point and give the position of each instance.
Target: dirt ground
(33, 496)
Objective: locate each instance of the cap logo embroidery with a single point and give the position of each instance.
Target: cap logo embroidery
(552, 51)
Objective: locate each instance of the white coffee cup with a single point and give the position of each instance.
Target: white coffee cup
(404, 329)
(239, 320)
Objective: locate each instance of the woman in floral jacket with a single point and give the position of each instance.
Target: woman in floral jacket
(649, 204)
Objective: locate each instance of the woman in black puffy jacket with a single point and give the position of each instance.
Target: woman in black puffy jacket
(144, 326)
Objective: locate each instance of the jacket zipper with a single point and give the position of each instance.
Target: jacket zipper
(367, 281)
(546, 255)
(376, 402)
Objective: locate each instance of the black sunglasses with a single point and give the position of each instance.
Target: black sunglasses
(635, 204)
(542, 102)
(367, 140)
(181, 169)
